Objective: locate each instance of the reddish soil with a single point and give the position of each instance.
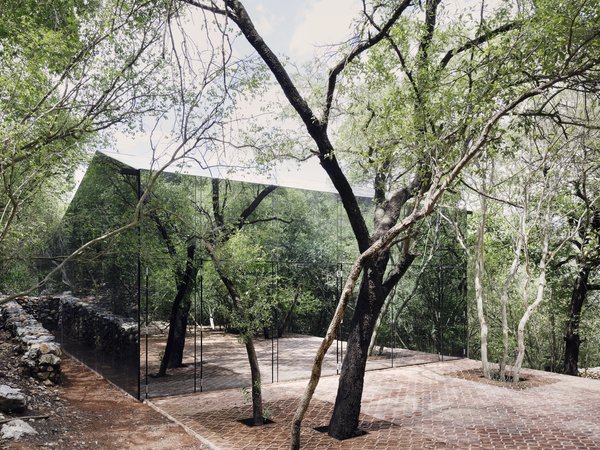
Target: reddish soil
(85, 411)
(527, 380)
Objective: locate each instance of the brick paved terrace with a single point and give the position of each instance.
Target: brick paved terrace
(224, 363)
(438, 405)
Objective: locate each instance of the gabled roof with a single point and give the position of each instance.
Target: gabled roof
(307, 174)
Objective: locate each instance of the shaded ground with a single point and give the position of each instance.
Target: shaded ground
(440, 405)
(221, 361)
(85, 411)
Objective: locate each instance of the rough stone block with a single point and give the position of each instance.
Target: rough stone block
(16, 429)
(12, 399)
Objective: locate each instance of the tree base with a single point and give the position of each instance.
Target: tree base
(251, 423)
(508, 378)
(325, 429)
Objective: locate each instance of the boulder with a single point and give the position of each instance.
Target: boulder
(16, 429)
(12, 399)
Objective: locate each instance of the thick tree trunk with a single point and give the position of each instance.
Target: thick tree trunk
(173, 356)
(372, 294)
(572, 340)
(344, 420)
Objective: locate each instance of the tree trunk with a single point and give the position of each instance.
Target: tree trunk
(504, 301)
(257, 405)
(344, 420)
(384, 310)
(173, 356)
(479, 294)
(288, 316)
(541, 286)
(572, 340)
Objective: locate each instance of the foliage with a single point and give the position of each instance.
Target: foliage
(68, 70)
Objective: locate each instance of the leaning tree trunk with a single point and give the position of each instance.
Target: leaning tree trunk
(345, 417)
(173, 356)
(572, 339)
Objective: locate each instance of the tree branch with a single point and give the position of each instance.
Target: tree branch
(397, 273)
(477, 41)
(316, 129)
(430, 21)
(373, 40)
(491, 197)
(255, 203)
(211, 8)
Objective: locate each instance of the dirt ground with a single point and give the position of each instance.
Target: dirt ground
(85, 411)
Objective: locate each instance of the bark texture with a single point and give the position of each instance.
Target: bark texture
(572, 338)
(344, 420)
(373, 291)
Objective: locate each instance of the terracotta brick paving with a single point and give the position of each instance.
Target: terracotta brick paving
(225, 364)
(412, 407)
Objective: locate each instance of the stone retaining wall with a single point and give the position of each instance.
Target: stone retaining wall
(104, 341)
(83, 321)
(41, 354)
(94, 326)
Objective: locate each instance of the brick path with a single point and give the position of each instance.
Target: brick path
(225, 364)
(412, 407)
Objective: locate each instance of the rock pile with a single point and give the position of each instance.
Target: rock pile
(41, 355)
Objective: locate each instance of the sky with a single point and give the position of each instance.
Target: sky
(298, 29)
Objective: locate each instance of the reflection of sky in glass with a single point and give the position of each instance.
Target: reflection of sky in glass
(287, 173)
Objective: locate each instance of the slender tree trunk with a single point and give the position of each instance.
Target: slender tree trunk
(504, 304)
(288, 315)
(257, 403)
(173, 356)
(384, 309)
(479, 295)
(541, 287)
(572, 339)
(315, 373)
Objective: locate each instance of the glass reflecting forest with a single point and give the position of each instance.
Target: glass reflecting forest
(169, 305)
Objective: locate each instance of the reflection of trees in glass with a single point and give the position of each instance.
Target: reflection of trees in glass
(108, 272)
(428, 312)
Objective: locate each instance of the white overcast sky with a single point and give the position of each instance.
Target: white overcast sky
(298, 29)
